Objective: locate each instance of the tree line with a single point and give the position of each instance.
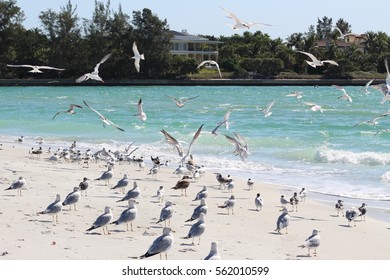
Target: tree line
(77, 44)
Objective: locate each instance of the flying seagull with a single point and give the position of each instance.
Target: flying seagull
(95, 74)
(209, 64)
(342, 35)
(315, 62)
(345, 95)
(172, 141)
(180, 102)
(137, 57)
(140, 114)
(240, 144)
(239, 23)
(35, 68)
(70, 111)
(103, 118)
(266, 111)
(368, 85)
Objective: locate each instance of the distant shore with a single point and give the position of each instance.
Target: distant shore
(189, 82)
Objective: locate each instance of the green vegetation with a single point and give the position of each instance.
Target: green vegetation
(66, 41)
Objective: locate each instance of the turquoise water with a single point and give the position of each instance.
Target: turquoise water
(295, 147)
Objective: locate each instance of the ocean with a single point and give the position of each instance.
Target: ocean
(334, 154)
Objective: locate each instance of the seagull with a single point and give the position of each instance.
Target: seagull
(259, 202)
(283, 201)
(141, 114)
(250, 184)
(382, 131)
(266, 111)
(137, 57)
(312, 242)
(239, 24)
(166, 213)
(345, 95)
(35, 68)
(315, 62)
(134, 193)
(363, 210)
(197, 229)
(351, 215)
(128, 215)
(84, 185)
(339, 206)
(210, 63)
(18, 185)
(229, 204)
(180, 102)
(226, 118)
(72, 198)
(103, 118)
(201, 208)
(122, 183)
(303, 194)
(106, 175)
(95, 74)
(314, 107)
(103, 220)
(213, 254)
(160, 193)
(183, 184)
(297, 94)
(70, 111)
(283, 220)
(294, 201)
(201, 194)
(53, 208)
(160, 245)
(214, 131)
(240, 144)
(385, 90)
(374, 121)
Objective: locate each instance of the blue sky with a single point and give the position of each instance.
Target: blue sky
(205, 16)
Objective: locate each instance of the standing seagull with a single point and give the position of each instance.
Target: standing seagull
(84, 185)
(35, 68)
(134, 193)
(229, 204)
(201, 208)
(70, 111)
(312, 242)
(72, 198)
(18, 185)
(211, 63)
(283, 220)
(183, 184)
(95, 74)
(122, 183)
(103, 220)
(103, 118)
(128, 215)
(54, 208)
(363, 210)
(339, 206)
(315, 62)
(351, 215)
(201, 194)
(160, 245)
(107, 175)
(160, 193)
(140, 112)
(137, 57)
(166, 213)
(213, 254)
(197, 229)
(259, 202)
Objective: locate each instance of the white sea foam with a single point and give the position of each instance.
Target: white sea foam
(349, 157)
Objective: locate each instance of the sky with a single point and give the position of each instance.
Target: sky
(205, 17)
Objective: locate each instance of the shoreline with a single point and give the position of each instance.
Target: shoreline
(248, 234)
(189, 82)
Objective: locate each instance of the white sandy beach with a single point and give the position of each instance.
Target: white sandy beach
(246, 235)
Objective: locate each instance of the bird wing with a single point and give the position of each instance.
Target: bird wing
(188, 99)
(139, 106)
(136, 64)
(23, 65)
(203, 63)
(313, 58)
(227, 114)
(60, 112)
(330, 62)
(50, 68)
(270, 106)
(218, 126)
(135, 49)
(81, 78)
(100, 115)
(241, 140)
(232, 16)
(71, 106)
(339, 88)
(338, 29)
(96, 69)
(172, 141)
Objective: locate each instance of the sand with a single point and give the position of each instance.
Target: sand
(245, 235)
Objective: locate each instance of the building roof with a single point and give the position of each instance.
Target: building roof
(185, 37)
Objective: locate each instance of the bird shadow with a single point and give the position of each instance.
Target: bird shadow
(93, 233)
(187, 244)
(346, 226)
(335, 216)
(275, 233)
(225, 214)
(44, 221)
(253, 210)
(303, 256)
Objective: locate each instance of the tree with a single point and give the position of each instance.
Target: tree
(324, 28)
(153, 39)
